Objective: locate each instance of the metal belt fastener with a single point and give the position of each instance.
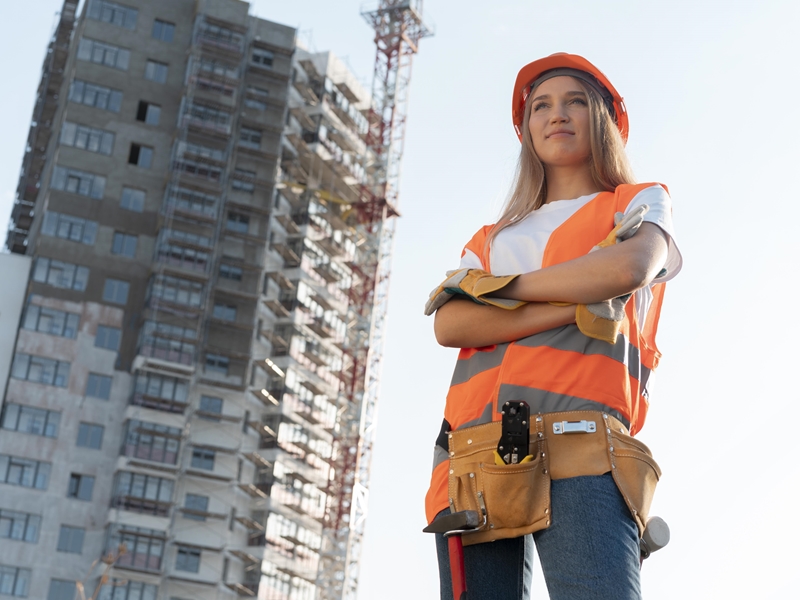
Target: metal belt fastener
(563, 427)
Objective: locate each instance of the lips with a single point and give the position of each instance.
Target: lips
(560, 133)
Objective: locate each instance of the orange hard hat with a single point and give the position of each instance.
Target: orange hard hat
(562, 63)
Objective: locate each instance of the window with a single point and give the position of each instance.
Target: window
(193, 505)
(256, 98)
(110, 12)
(207, 116)
(108, 337)
(124, 244)
(151, 441)
(162, 30)
(60, 274)
(24, 472)
(145, 546)
(20, 526)
(80, 486)
(51, 321)
(183, 257)
(132, 199)
(160, 392)
(38, 369)
(141, 156)
(98, 386)
(238, 222)
(161, 340)
(217, 363)
(188, 559)
(90, 436)
(210, 406)
(215, 67)
(148, 113)
(222, 36)
(155, 71)
(87, 138)
(145, 494)
(125, 589)
(262, 57)
(14, 581)
(69, 228)
(250, 138)
(203, 458)
(27, 419)
(198, 168)
(243, 180)
(224, 312)
(95, 95)
(70, 539)
(116, 291)
(78, 182)
(177, 291)
(104, 54)
(230, 272)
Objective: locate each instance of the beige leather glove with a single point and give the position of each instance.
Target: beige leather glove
(476, 285)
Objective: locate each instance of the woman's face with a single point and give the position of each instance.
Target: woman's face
(559, 123)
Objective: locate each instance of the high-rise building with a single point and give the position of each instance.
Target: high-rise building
(185, 201)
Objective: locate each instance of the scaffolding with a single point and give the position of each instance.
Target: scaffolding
(398, 29)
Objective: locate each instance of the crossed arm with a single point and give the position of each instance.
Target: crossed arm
(600, 275)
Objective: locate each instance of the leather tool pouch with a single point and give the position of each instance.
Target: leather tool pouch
(514, 500)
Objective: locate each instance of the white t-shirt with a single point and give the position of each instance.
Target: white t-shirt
(519, 248)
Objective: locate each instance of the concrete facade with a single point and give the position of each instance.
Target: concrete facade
(176, 373)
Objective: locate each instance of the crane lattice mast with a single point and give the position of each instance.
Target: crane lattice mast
(398, 29)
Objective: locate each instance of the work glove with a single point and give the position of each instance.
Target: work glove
(474, 284)
(602, 320)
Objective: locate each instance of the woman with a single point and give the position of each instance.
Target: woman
(581, 337)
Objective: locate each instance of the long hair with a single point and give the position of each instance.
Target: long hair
(608, 163)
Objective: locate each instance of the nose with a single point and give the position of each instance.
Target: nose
(559, 114)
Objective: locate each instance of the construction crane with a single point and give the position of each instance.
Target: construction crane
(398, 29)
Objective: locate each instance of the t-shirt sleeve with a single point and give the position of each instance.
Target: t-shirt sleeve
(660, 213)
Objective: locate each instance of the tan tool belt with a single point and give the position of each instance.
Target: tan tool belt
(514, 500)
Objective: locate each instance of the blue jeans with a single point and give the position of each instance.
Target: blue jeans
(589, 552)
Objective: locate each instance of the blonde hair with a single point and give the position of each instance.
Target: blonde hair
(608, 164)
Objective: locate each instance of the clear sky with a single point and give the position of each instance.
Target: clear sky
(711, 89)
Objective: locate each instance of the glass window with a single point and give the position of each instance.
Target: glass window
(91, 94)
(203, 458)
(28, 419)
(24, 472)
(162, 30)
(141, 156)
(262, 57)
(80, 486)
(177, 290)
(217, 363)
(124, 244)
(113, 13)
(243, 180)
(156, 71)
(148, 113)
(108, 337)
(132, 199)
(142, 493)
(78, 182)
(60, 274)
(87, 138)
(70, 539)
(51, 321)
(20, 526)
(98, 386)
(116, 291)
(38, 369)
(104, 54)
(125, 589)
(15, 581)
(250, 138)
(224, 312)
(69, 228)
(210, 406)
(188, 559)
(230, 272)
(195, 504)
(90, 436)
(145, 547)
(150, 441)
(238, 222)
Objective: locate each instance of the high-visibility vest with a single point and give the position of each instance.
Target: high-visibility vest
(559, 369)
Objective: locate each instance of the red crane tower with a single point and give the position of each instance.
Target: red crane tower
(398, 29)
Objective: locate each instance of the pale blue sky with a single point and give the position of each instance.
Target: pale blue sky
(711, 89)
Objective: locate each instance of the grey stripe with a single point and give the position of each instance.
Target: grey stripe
(541, 401)
(486, 417)
(570, 338)
(439, 456)
(477, 363)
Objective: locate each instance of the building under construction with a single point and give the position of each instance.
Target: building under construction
(207, 211)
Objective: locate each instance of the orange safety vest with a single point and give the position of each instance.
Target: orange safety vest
(560, 369)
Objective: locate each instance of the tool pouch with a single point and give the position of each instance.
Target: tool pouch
(514, 500)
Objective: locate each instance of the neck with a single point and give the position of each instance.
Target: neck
(566, 183)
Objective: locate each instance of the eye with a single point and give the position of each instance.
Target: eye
(539, 105)
(579, 101)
